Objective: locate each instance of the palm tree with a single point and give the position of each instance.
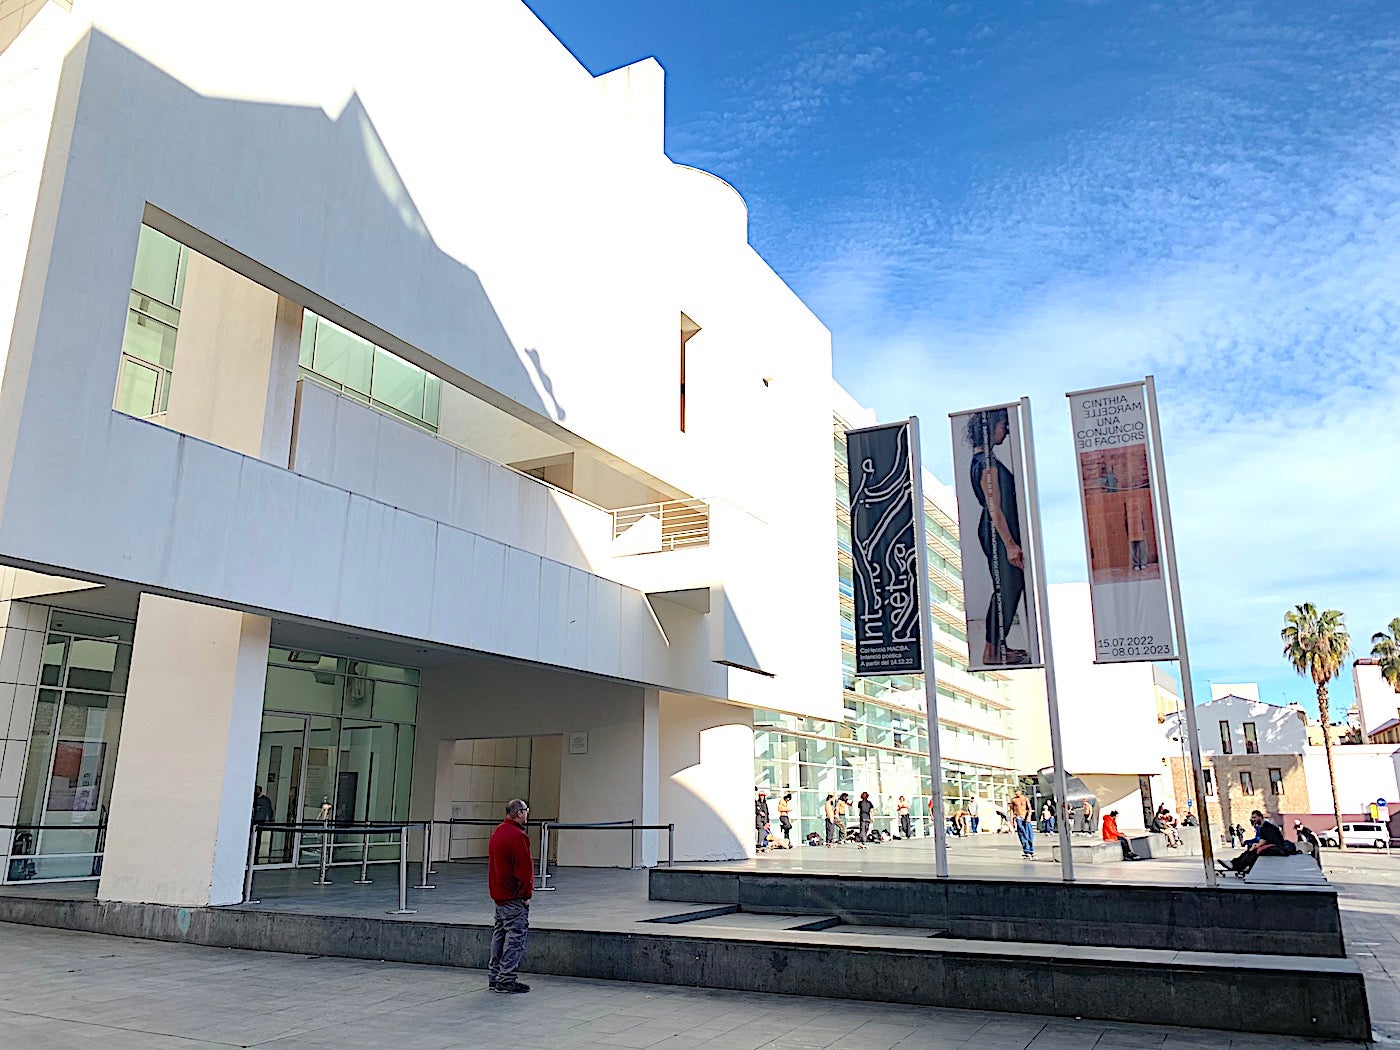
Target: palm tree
(1385, 648)
(1317, 645)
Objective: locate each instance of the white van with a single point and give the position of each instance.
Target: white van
(1367, 834)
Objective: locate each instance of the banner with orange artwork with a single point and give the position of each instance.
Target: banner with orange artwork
(1119, 494)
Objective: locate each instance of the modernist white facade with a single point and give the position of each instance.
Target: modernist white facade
(584, 328)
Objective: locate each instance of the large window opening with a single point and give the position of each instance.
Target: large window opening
(66, 789)
(152, 323)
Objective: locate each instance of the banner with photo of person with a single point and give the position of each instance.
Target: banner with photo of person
(1119, 494)
(884, 550)
(994, 526)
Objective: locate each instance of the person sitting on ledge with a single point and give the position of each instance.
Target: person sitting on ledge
(1268, 841)
(1112, 834)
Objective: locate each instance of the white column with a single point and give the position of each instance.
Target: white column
(651, 776)
(183, 792)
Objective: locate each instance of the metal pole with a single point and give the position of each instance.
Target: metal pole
(403, 873)
(428, 831)
(671, 845)
(1179, 621)
(544, 857)
(325, 836)
(935, 752)
(426, 845)
(252, 859)
(1042, 597)
(364, 879)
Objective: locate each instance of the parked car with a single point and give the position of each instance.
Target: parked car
(1360, 834)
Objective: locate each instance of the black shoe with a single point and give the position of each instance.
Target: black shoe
(511, 986)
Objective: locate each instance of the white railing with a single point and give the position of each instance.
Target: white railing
(673, 525)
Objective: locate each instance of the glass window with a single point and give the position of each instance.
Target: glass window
(139, 390)
(1251, 741)
(368, 373)
(395, 702)
(1276, 781)
(1225, 746)
(1210, 782)
(85, 626)
(98, 666)
(160, 267)
(152, 324)
(294, 690)
(347, 359)
(1247, 782)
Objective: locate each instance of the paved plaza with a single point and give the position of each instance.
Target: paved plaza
(60, 988)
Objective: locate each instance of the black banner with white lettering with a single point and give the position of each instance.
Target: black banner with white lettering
(884, 551)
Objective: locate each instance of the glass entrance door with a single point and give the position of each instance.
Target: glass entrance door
(281, 772)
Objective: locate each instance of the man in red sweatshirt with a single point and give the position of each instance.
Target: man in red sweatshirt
(511, 877)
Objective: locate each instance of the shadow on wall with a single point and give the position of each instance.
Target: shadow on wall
(314, 208)
(706, 791)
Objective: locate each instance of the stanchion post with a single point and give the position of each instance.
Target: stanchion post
(427, 845)
(403, 873)
(364, 879)
(248, 875)
(670, 845)
(428, 831)
(544, 857)
(325, 839)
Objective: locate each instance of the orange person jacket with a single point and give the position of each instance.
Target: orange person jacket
(1110, 828)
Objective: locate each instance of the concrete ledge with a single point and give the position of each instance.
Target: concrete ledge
(1322, 998)
(1282, 920)
(1091, 853)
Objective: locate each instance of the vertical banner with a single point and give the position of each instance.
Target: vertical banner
(884, 550)
(1119, 491)
(988, 462)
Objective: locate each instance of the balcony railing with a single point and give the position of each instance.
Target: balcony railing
(652, 527)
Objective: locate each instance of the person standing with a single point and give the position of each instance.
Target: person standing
(1045, 819)
(785, 817)
(1136, 509)
(829, 815)
(262, 814)
(760, 822)
(1020, 809)
(906, 822)
(866, 809)
(510, 874)
(973, 809)
(1088, 817)
(843, 808)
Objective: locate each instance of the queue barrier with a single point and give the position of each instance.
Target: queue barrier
(364, 829)
(32, 854)
(548, 826)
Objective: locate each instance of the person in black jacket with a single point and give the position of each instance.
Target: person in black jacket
(760, 822)
(1268, 841)
(1307, 841)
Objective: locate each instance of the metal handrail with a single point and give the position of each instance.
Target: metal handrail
(363, 828)
(621, 825)
(683, 522)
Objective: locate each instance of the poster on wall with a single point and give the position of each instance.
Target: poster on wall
(76, 784)
(1119, 495)
(988, 471)
(884, 552)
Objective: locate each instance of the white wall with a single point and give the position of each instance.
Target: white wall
(1374, 696)
(552, 290)
(1108, 712)
(707, 774)
(490, 698)
(1365, 773)
(1278, 730)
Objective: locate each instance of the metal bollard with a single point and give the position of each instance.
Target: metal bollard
(427, 845)
(544, 858)
(364, 879)
(248, 876)
(325, 841)
(403, 874)
(670, 845)
(428, 830)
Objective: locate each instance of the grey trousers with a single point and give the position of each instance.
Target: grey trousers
(508, 936)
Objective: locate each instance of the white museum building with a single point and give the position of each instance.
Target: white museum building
(389, 425)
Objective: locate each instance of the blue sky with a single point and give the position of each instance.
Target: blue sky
(987, 200)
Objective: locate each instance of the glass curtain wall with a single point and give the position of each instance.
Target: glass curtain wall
(337, 744)
(881, 743)
(66, 788)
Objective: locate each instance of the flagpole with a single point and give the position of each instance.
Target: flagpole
(935, 748)
(1041, 588)
(1179, 621)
